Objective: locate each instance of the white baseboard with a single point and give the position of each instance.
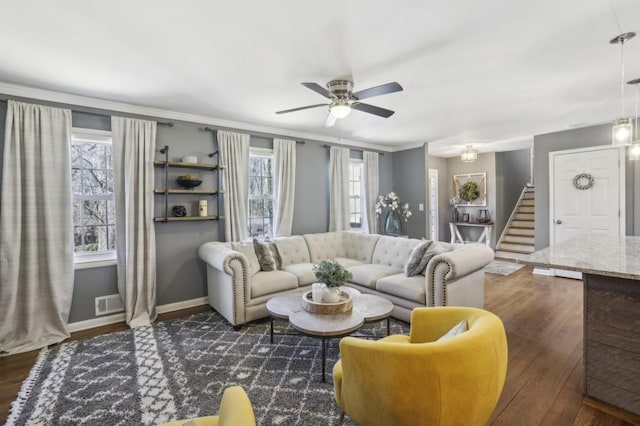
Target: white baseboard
(543, 271)
(116, 318)
(170, 307)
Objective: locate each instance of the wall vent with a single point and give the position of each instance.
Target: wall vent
(109, 304)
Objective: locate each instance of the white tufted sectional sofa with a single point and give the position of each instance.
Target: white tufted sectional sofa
(377, 263)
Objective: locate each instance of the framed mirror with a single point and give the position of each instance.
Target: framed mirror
(470, 189)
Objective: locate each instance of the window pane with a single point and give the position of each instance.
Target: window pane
(76, 181)
(268, 208)
(357, 208)
(77, 213)
(266, 167)
(95, 182)
(255, 186)
(111, 212)
(266, 186)
(76, 154)
(90, 239)
(255, 208)
(110, 189)
(95, 212)
(112, 238)
(254, 166)
(77, 239)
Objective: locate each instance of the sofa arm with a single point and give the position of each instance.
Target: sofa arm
(227, 280)
(452, 265)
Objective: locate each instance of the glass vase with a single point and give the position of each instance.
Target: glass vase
(392, 224)
(455, 216)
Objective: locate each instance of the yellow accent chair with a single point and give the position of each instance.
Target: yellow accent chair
(417, 380)
(235, 410)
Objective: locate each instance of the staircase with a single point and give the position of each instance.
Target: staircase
(518, 238)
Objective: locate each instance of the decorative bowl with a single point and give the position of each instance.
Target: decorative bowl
(188, 183)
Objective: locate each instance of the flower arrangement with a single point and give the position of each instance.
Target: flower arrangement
(454, 201)
(331, 273)
(393, 203)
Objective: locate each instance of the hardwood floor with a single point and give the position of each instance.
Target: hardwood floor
(543, 319)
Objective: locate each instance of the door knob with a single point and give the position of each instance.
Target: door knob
(558, 221)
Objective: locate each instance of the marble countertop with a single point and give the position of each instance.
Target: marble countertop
(593, 254)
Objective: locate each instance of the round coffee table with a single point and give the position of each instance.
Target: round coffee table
(366, 308)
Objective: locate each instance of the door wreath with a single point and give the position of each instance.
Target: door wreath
(583, 181)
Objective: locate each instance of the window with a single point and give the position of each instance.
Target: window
(94, 210)
(355, 193)
(261, 201)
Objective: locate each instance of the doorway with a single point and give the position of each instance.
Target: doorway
(586, 195)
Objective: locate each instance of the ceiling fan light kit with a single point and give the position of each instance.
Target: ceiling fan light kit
(343, 99)
(469, 155)
(622, 131)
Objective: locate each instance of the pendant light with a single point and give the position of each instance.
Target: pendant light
(622, 131)
(634, 149)
(469, 155)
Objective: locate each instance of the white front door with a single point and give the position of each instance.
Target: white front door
(596, 210)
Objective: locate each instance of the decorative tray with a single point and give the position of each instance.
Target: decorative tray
(344, 305)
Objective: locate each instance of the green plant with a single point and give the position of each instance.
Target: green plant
(331, 273)
(469, 191)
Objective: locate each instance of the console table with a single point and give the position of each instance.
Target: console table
(610, 269)
(486, 232)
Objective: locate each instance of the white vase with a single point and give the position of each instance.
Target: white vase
(331, 294)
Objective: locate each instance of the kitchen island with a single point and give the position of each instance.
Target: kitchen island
(610, 269)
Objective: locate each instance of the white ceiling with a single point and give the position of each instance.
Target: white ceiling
(494, 72)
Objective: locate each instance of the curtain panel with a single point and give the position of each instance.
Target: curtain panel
(371, 190)
(36, 236)
(234, 155)
(339, 189)
(134, 145)
(284, 156)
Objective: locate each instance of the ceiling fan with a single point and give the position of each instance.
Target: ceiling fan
(343, 99)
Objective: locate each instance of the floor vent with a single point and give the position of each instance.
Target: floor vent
(109, 304)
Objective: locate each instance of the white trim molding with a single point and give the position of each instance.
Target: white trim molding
(116, 318)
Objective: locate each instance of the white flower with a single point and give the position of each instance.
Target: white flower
(392, 202)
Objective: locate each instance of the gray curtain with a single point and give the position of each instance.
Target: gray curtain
(371, 190)
(134, 145)
(284, 158)
(36, 238)
(234, 155)
(339, 189)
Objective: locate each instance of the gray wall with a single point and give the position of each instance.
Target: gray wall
(512, 174)
(486, 163)
(409, 182)
(574, 139)
(180, 274)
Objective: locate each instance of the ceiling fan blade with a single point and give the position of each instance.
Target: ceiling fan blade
(318, 89)
(386, 113)
(378, 90)
(330, 121)
(300, 109)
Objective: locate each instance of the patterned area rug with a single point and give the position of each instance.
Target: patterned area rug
(499, 267)
(178, 369)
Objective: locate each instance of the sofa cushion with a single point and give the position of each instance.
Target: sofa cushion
(292, 250)
(303, 272)
(247, 249)
(367, 275)
(264, 283)
(347, 263)
(409, 288)
(457, 329)
(324, 246)
(392, 251)
(417, 260)
(268, 255)
(359, 246)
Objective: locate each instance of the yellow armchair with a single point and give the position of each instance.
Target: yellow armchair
(416, 380)
(235, 410)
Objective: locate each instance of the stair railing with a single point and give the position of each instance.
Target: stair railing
(513, 215)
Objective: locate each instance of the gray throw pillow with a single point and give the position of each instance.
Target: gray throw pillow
(457, 329)
(249, 252)
(416, 264)
(438, 247)
(268, 255)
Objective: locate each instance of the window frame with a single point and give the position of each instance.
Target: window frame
(88, 260)
(264, 153)
(355, 226)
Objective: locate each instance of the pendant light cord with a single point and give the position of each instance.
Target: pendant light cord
(615, 16)
(622, 77)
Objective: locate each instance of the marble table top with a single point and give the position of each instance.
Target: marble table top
(593, 254)
(366, 308)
